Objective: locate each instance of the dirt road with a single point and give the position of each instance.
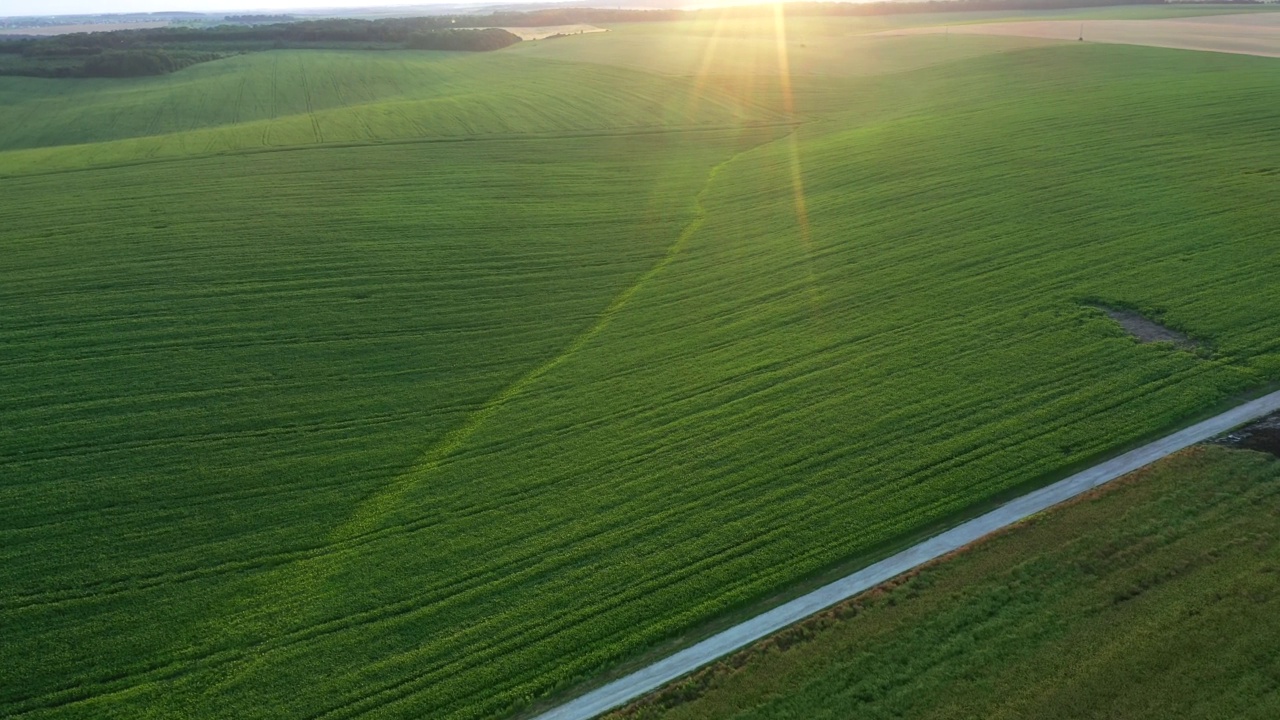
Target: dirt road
(649, 678)
(1244, 34)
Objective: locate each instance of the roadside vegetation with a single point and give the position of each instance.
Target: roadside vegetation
(1154, 598)
(416, 384)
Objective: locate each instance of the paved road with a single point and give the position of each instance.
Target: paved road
(659, 673)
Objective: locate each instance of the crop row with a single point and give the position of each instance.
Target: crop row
(400, 444)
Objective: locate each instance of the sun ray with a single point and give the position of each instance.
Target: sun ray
(797, 173)
(703, 74)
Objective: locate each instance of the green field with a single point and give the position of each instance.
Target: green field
(284, 99)
(414, 385)
(1155, 599)
(747, 48)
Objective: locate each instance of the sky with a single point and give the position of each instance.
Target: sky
(83, 7)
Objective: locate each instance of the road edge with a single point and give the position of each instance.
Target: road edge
(636, 684)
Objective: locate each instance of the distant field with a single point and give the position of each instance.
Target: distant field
(538, 33)
(839, 46)
(1111, 12)
(50, 30)
(290, 98)
(1247, 34)
(1156, 599)
(414, 385)
(823, 47)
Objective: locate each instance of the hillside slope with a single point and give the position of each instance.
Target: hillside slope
(434, 429)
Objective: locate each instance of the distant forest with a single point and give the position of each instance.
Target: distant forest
(155, 51)
(258, 19)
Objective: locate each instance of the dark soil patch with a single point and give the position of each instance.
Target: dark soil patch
(1263, 436)
(1147, 330)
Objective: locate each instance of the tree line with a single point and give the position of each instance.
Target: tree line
(109, 64)
(157, 51)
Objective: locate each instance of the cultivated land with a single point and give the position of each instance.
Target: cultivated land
(1155, 598)
(747, 49)
(426, 384)
(1248, 34)
(291, 98)
(50, 30)
(653, 676)
(538, 33)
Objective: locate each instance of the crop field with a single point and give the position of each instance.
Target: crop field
(1249, 34)
(567, 359)
(827, 46)
(291, 98)
(1155, 599)
(746, 47)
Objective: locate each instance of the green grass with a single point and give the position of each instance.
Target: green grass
(1153, 599)
(431, 429)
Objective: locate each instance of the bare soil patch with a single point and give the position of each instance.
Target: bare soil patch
(1147, 330)
(1263, 436)
(1246, 34)
(546, 31)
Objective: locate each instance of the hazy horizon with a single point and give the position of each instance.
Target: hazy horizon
(45, 8)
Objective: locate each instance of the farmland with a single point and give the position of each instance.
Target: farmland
(291, 98)
(1153, 599)
(420, 385)
(1247, 33)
